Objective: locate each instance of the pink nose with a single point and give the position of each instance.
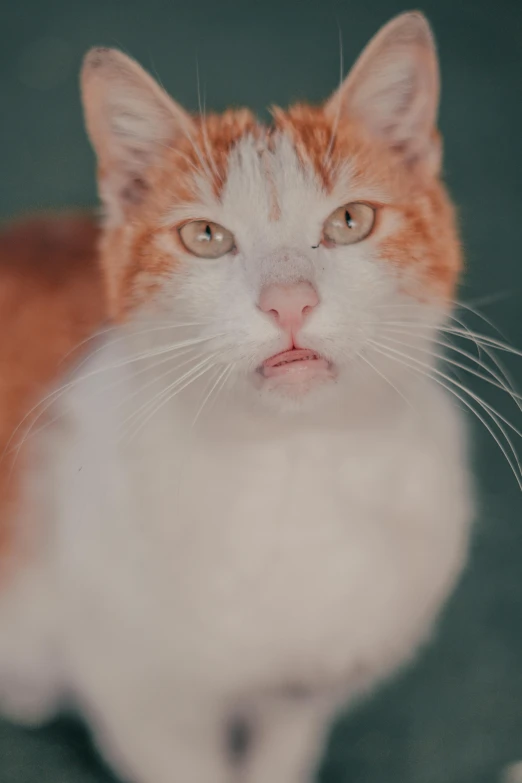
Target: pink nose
(288, 304)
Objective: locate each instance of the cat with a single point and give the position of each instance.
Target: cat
(245, 506)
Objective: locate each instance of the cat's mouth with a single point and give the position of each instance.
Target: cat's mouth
(295, 366)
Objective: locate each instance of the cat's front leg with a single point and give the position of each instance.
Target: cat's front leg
(183, 743)
(288, 738)
(31, 672)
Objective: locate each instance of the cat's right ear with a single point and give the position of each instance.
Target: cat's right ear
(130, 121)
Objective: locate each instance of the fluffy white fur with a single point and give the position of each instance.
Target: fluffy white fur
(270, 561)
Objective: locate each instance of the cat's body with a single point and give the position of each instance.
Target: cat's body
(307, 580)
(259, 560)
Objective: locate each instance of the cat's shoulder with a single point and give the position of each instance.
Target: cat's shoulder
(51, 300)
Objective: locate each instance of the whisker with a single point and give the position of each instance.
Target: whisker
(166, 400)
(133, 333)
(455, 303)
(221, 375)
(492, 412)
(225, 379)
(468, 405)
(33, 433)
(204, 133)
(420, 322)
(438, 372)
(335, 125)
(502, 378)
(162, 396)
(154, 366)
(468, 334)
(198, 154)
(490, 298)
(470, 309)
(56, 394)
(383, 376)
(498, 383)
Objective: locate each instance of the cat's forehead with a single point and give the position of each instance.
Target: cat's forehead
(274, 174)
(268, 181)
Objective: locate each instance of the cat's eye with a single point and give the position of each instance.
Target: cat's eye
(349, 224)
(206, 239)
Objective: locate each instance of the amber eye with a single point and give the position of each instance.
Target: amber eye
(206, 239)
(349, 224)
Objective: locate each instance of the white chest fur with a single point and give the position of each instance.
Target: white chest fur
(317, 554)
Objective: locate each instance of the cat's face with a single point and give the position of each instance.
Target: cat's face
(295, 247)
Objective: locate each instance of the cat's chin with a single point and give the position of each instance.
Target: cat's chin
(298, 390)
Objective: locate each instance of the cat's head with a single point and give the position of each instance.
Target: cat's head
(295, 247)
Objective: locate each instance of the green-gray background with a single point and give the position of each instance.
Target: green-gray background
(456, 716)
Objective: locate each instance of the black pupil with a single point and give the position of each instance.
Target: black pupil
(208, 233)
(349, 220)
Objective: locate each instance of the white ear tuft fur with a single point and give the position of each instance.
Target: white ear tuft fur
(394, 89)
(130, 121)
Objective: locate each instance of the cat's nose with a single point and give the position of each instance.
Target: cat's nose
(289, 304)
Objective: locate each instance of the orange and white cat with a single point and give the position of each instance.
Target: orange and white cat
(245, 509)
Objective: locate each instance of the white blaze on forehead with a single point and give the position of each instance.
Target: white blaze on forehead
(299, 189)
(248, 188)
(271, 190)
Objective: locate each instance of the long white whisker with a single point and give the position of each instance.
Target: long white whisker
(133, 333)
(159, 398)
(156, 378)
(490, 298)
(53, 396)
(478, 314)
(197, 151)
(225, 379)
(456, 303)
(335, 126)
(223, 383)
(438, 372)
(32, 433)
(503, 372)
(467, 334)
(503, 379)
(208, 395)
(498, 383)
(175, 389)
(204, 133)
(465, 402)
(383, 376)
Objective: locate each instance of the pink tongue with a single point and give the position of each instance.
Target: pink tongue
(295, 355)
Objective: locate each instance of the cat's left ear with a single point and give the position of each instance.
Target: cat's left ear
(393, 89)
(131, 122)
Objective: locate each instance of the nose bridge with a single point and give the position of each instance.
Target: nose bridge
(286, 266)
(288, 296)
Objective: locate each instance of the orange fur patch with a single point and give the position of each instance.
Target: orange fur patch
(218, 133)
(50, 300)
